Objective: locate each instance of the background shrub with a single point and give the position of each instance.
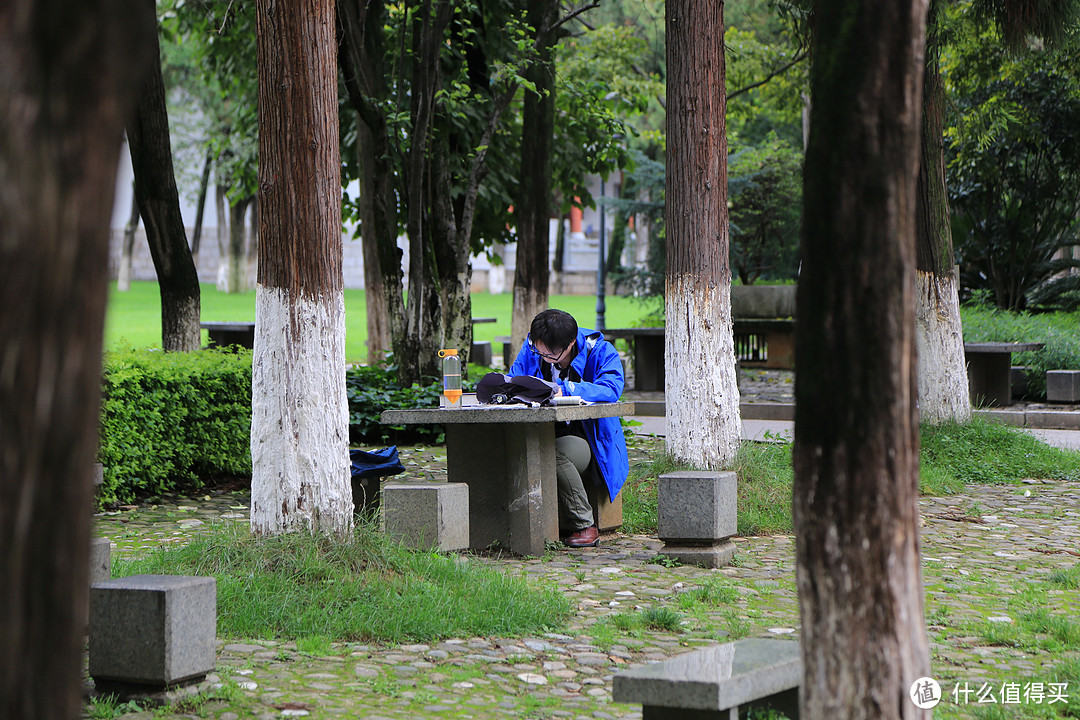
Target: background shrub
(173, 419)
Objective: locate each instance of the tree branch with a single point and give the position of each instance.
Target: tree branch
(782, 69)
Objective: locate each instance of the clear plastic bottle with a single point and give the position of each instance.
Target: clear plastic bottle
(451, 378)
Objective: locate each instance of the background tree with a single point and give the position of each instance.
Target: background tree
(703, 423)
(299, 419)
(210, 64)
(66, 84)
(534, 204)
(856, 434)
(764, 184)
(939, 338)
(1014, 156)
(159, 205)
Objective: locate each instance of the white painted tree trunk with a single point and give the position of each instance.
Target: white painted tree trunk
(704, 427)
(300, 419)
(943, 382)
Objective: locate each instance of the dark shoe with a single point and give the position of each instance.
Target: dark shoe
(589, 537)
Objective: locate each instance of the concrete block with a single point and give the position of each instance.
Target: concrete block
(152, 630)
(99, 475)
(428, 515)
(1063, 385)
(697, 507)
(708, 556)
(607, 513)
(100, 560)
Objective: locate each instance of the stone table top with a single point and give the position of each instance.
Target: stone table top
(487, 414)
(1001, 347)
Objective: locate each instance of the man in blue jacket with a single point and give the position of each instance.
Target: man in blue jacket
(580, 362)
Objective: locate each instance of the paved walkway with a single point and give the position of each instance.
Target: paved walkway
(988, 558)
(761, 391)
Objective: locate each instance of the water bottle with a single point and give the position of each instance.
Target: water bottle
(451, 379)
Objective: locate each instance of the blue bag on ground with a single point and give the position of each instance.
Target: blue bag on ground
(367, 468)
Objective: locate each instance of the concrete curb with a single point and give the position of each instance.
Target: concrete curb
(1042, 419)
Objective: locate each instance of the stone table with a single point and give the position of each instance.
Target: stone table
(506, 454)
(989, 365)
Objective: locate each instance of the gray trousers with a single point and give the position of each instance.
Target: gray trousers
(572, 457)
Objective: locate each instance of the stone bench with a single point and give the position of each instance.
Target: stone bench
(715, 682)
(1063, 386)
(152, 631)
(697, 514)
(225, 334)
(507, 350)
(427, 516)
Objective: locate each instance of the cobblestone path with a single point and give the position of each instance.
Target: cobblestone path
(989, 558)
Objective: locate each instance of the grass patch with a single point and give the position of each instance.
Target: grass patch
(1069, 579)
(982, 451)
(765, 477)
(953, 455)
(133, 318)
(318, 591)
(715, 591)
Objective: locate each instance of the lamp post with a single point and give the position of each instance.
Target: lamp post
(601, 270)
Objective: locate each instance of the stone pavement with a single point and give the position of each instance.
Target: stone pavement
(988, 556)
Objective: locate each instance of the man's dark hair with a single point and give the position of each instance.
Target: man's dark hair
(556, 329)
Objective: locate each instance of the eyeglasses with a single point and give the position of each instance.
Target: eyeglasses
(550, 358)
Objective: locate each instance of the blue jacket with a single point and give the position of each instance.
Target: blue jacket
(598, 365)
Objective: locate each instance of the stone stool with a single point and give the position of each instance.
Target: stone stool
(1063, 386)
(152, 630)
(697, 515)
(427, 516)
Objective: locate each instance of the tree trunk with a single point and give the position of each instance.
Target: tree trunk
(127, 246)
(375, 288)
(361, 47)
(221, 204)
(703, 423)
(299, 426)
(943, 383)
(237, 277)
(415, 352)
(68, 76)
(856, 435)
(533, 210)
(204, 185)
(159, 203)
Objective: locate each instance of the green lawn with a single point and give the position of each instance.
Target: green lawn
(133, 318)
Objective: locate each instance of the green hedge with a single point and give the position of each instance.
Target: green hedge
(172, 420)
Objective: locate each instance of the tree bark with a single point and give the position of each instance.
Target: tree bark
(204, 185)
(943, 383)
(299, 425)
(68, 76)
(159, 203)
(856, 434)
(703, 423)
(127, 246)
(533, 209)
